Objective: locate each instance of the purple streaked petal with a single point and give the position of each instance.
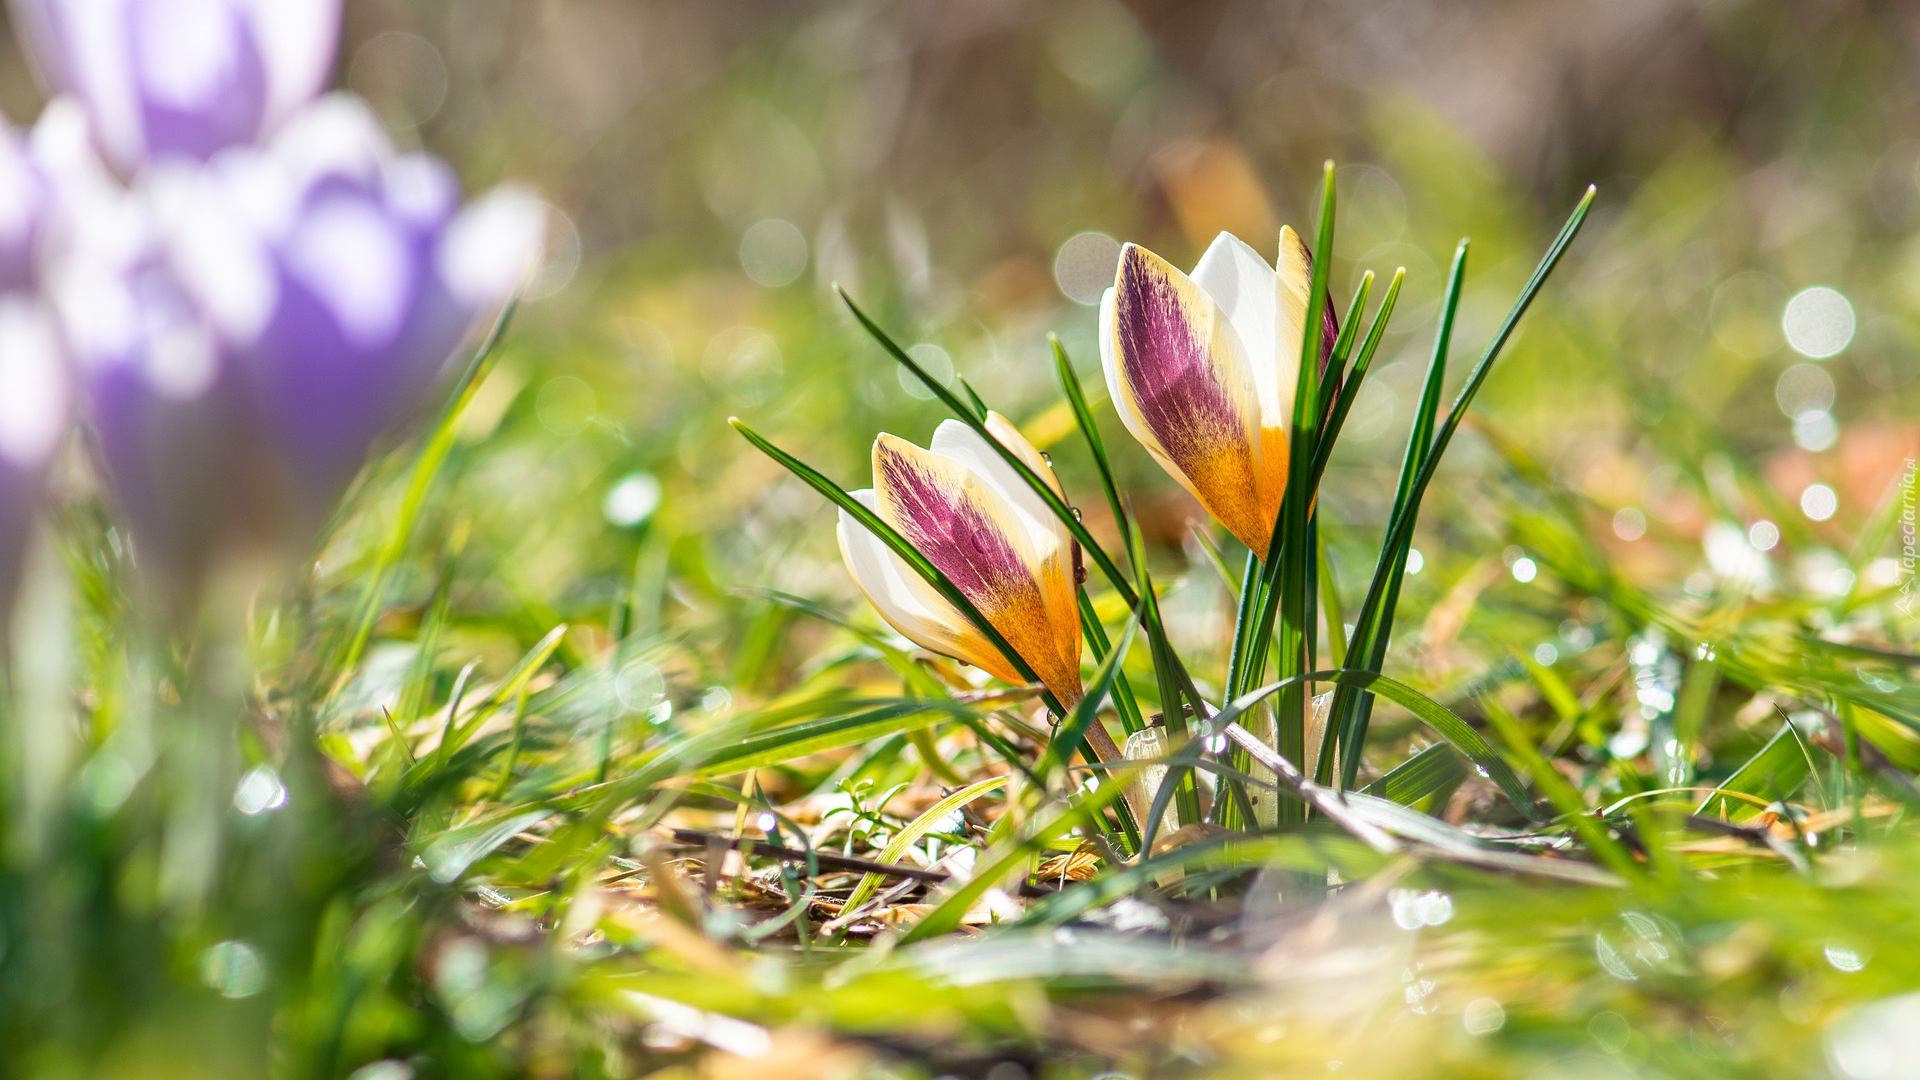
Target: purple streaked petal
(1184, 386)
(963, 524)
(952, 527)
(909, 604)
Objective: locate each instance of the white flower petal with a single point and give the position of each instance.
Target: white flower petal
(185, 53)
(93, 35)
(492, 246)
(349, 254)
(1246, 289)
(219, 257)
(336, 135)
(297, 39)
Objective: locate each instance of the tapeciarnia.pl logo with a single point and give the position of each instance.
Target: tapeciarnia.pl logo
(1908, 593)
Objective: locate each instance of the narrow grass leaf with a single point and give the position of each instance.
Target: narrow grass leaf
(1772, 774)
(910, 835)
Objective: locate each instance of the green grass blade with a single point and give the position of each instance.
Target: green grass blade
(1353, 724)
(1089, 431)
(973, 399)
(1350, 387)
(1068, 735)
(819, 735)
(1290, 565)
(1772, 774)
(1176, 695)
(1591, 830)
(1373, 623)
(1331, 378)
(1441, 719)
(1124, 701)
(947, 914)
(1330, 609)
(426, 468)
(1434, 771)
(896, 848)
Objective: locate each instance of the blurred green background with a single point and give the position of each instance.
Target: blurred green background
(718, 165)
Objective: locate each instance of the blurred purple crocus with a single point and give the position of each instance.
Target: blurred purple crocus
(169, 78)
(247, 330)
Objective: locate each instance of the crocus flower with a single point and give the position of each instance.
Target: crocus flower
(166, 78)
(972, 516)
(247, 330)
(166, 416)
(1202, 371)
(342, 277)
(33, 417)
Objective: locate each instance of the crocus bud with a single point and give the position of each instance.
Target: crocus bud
(960, 505)
(168, 78)
(33, 417)
(1202, 370)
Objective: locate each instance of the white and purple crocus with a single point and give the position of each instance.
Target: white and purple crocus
(1202, 370)
(250, 285)
(256, 323)
(960, 505)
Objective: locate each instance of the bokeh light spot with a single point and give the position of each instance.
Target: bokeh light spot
(1629, 523)
(1764, 535)
(632, 500)
(1819, 322)
(1085, 265)
(1416, 562)
(1483, 1016)
(1841, 958)
(565, 405)
(935, 361)
(1804, 389)
(233, 969)
(774, 252)
(259, 791)
(1525, 570)
(640, 686)
(402, 76)
(1819, 502)
(1815, 431)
